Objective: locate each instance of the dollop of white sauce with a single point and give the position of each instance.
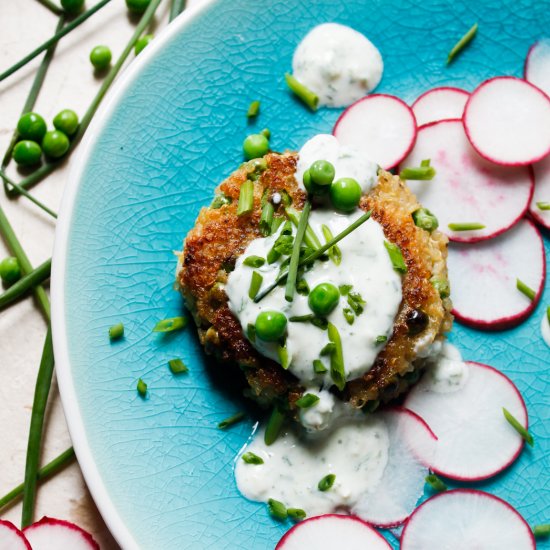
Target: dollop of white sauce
(347, 162)
(338, 63)
(545, 329)
(447, 372)
(365, 265)
(323, 413)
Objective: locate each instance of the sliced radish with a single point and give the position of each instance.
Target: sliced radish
(412, 447)
(467, 188)
(542, 192)
(475, 440)
(507, 120)
(332, 531)
(440, 104)
(381, 126)
(54, 534)
(11, 538)
(466, 519)
(483, 278)
(537, 65)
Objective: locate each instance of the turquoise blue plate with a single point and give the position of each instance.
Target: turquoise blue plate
(159, 469)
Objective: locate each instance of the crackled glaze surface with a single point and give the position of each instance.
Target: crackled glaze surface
(160, 465)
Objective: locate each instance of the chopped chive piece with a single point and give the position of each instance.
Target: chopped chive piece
(356, 302)
(469, 226)
(141, 388)
(282, 353)
(255, 284)
(319, 322)
(528, 291)
(548, 314)
(318, 367)
(441, 286)
(295, 257)
(381, 339)
(349, 316)
(301, 318)
(177, 366)
(435, 483)
(514, 422)
(116, 332)
(277, 509)
(396, 257)
(254, 261)
(274, 425)
(251, 332)
(337, 370)
(302, 92)
(334, 253)
(462, 43)
(420, 173)
(344, 289)
(266, 219)
(302, 288)
(425, 162)
(543, 205)
(253, 109)
(171, 324)
(219, 201)
(310, 238)
(541, 531)
(328, 349)
(326, 483)
(283, 244)
(251, 458)
(276, 224)
(236, 418)
(296, 514)
(246, 198)
(424, 219)
(307, 400)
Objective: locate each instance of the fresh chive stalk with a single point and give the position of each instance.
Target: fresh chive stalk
(310, 238)
(296, 514)
(326, 483)
(116, 332)
(435, 483)
(177, 366)
(543, 205)
(235, 419)
(277, 509)
(295, 257)
(141, 388)
(307, 400)
(246, 198)
(171, 324)
(311, 99)
(420, 173)
(334, 253)
(254, 261)
(515, 423)
(319, 367)
(253, 110)
(255, 284)
(462, 43)
(337, 370)
(274, 425)
(528, 291)
(541, 531)
(25, 284)
(176, 7)
(251, 458)
(396, 257)
(10, 185)
(468, 226)
(266, 219)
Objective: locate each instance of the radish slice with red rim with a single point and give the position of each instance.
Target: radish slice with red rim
(483, 278)
(507, 121)
(475, 441)
(412, 447)
(537, 65)
(11, 538)
(466, 519)
(440, 104)
(466, 187)
(542, 192)
(55, 534)
(332, 531)
(380, 126)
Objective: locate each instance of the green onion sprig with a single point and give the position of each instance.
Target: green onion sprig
(255, 284)
(295, 257)
(467, 226)
(231, 421)
(515, 423)
(310, 238)
(462, 43)
(334, 253)
(266, 219)
(420, 173)
(524, 289)
(307, 400)
(311, 99)
(337, 370)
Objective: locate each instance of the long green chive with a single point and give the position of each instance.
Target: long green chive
(176, 7)
(396, 257)
(442, 286)
(334, 253)
(177, 366)
(462, 43)
(170, 324)
(381, 339)
(435, 483)
(514, 422)
(528, 291)
(235, 419)
(25, 284)
(253, 110)
(319, 367)
(274, 425)
(315, 255)
(295, 257)
(468, 226)
(41, 392)
(422, 173)
(9, 185)
(251, 458)
(141, 388)
(255, 284)
(246, 198)
(307, 400)
(311, 99)
(424, 219)
(541, 531)
(277, 509)
(266, 219)
(254, 261)
(296, 514)
(116, 332)
(337, 370)
(53, 467)
(310, 238)
(326, 483)
(282, 353)
(543, 205)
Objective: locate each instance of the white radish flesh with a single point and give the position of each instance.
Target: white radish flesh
(381, 126)
(507, 121)
(333, 531)
(542, 192)
(475, 441)
(440, 104)
(55, 534)
(466, 187)
(483, 278)
(11, 538)
(537, 65)
(466, 519)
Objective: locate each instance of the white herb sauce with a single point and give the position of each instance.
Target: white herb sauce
(338, 63)
(447, 372)
(545, 329)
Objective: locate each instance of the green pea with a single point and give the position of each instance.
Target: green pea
(27, 153)
(72, 7)
(255, 146)
(66, 121)
(137, 6)
(322, 172)
(55, 144)
(345, 194)
(100, 57)
(311, 187)
(31, 126)
(142, 42)
(10, 271)
(323, 299)
(270, 325)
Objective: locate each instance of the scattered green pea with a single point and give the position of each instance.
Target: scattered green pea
(142, 42)
(66, 121)
(72, 7)
(31, 126)
(137, 6)
(322, 172)
(255, 146)
(27, 153)
(100, 57)
(345, 194)
(10, 271)
(323, 299)
(270, 325)
(55, 144)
